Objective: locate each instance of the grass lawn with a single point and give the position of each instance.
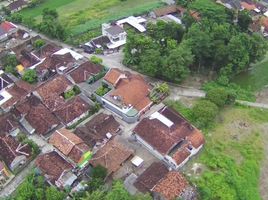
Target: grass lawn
(79, 16)
(229, 166)
(255, 79)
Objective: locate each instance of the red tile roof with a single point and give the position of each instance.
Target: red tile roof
(96, 129)
(68, 144)
(248, 6)
(165, 139)
(85, 71)
(52, 165)
(10, 148)
(8, 123)
(113, 75)
(150, 177)
(51, 92)
(72, 109)
(171, 186)
(39, 117)
(111, 156)
(7, 26)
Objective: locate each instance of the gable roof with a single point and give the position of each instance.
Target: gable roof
(72, 109)
(47, 50)
(10, 148)
(166, 10)
(17, 4)
(96, 129)
(8, 123)
(52, 165)
(55, 61)
(113, 75)
(248, 6)
(6, 27)
(171, 186)
(68, 144)
(150, 177)
(111, 156)
(4, 80)
(85, 71)
(51, 91)
(166, 129)
(18, 91)
(37, 115)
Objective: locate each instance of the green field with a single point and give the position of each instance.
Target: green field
(255, 79)
(79, 16)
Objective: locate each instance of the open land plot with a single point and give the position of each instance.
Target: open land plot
(234, 161)
(79, 16)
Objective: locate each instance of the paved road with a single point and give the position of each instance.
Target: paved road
(18, 179)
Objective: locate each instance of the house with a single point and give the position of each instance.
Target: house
(111, 156)
(160, 12)
(85, 72)
(4, 174)
(56, 169)
(135, 22)
(51, 92)
(170, 137)
(17, 5)
(248, 6)
(47, 50)
(72, 110)
(70, 146)
(6, 29)
(5, 81)
(27, 59)
(150, 177)
(13, 153)
(54, 64)
(173, 186)
(129, 95)
(9, 125)
(116, 35)
(35, 117)
(163, 184)
(98, 130)
(12, 95)
(231, 4)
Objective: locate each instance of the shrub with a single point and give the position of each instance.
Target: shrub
(102, 90)
(69, 94)
(30, 76)
(96, 60)
(219, 96)
(204, 113)
(39, 43)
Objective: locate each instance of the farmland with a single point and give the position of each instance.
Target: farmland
(80, 16)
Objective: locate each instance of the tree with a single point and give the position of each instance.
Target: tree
(53, 193)
(16, 18)
(50, 14)
(95, 195)
(244, 20)
(96, 60)
(39, 43)
(176, 64)
(99, 172)
(10, 60)
(118, 192)
(204, 112)
(218, 96)
(30, 76)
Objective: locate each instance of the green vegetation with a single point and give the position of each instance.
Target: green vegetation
(72, 92)
(96, 60)
(159, 92)
(232, 155)
(30, 76)
(34, 147)
(102, 90)
(80, 25)
(35, 188)
(39, 43)
(254, 79)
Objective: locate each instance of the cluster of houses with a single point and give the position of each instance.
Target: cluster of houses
(114, 35)
(137, 141)
(258, 11)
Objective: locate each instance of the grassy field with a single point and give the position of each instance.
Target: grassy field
(255, 79)
(79, 16)
(230, 166)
